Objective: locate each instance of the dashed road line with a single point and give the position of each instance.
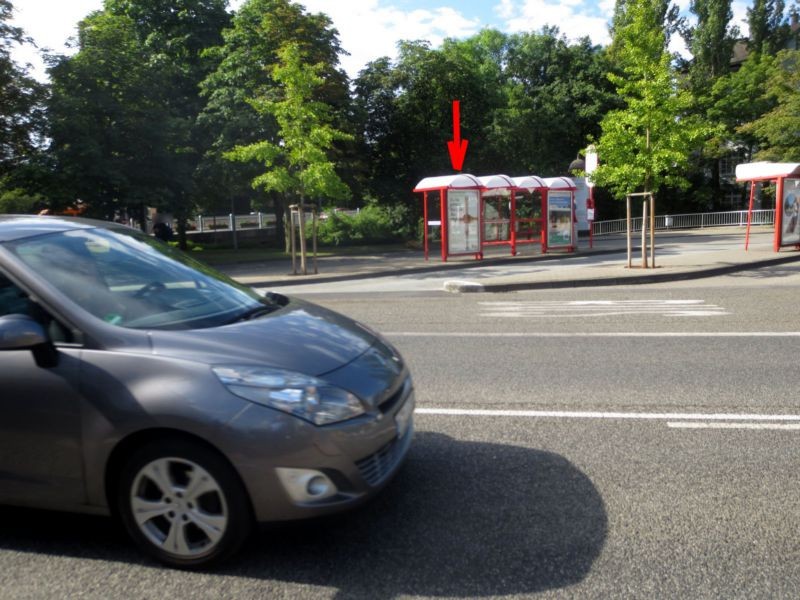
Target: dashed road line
(695, 421)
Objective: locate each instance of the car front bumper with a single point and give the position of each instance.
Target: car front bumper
(282, 459)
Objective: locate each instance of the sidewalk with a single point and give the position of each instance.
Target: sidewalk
(679, 255)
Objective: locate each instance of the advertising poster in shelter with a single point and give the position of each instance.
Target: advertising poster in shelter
(790, 229)
(463, 234)
(559, 219)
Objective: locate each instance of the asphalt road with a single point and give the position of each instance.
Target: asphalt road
(608, 442)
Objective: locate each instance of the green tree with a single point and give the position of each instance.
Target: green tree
(22, 115)
(299, 164)
(124, 106)
(776, 130)
(109, 127)
(647, 144)
(665, 13)
(556, 95)
(246, 59)
(711, 42)
(741, 97)
(768, 32)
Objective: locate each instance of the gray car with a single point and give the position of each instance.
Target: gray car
(137, 382)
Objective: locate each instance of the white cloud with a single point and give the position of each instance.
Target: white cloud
(739, 9)
(505, 10)
(369, 30)
(570, 16)
(49, 24)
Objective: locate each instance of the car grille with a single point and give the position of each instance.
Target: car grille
(376, 466)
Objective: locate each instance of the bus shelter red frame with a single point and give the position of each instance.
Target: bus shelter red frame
(531, 183)
(759, 172)
(498, 183)
(442, 185)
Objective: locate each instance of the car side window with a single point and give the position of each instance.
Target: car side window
(14, 300)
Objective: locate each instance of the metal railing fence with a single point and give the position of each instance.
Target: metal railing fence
(731, 218)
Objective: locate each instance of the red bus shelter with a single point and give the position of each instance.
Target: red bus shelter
(496, 210)
(787, 199)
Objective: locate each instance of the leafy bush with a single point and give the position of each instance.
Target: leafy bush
(19, 201)
(373, 224)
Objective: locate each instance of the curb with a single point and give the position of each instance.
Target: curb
(463, 287)
(468, 286)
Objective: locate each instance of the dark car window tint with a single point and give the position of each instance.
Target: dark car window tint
(129, 280)
(14, 301)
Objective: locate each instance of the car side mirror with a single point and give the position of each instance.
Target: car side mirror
(21, 332)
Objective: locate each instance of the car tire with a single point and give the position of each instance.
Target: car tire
(183, 504)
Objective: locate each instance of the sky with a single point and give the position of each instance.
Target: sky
(370, 29)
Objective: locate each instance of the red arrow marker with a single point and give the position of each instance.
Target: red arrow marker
(457, 147)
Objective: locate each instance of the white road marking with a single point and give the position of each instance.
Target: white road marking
(727, 421)
(757, 426)
(577, 414)
(550, 309)
(597, 334)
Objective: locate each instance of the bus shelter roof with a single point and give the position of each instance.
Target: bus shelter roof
(459, 181)
(762, 171)
(529, 182)
(494, 182)
(560, 183)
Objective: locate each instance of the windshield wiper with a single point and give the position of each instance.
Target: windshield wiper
(253, 313)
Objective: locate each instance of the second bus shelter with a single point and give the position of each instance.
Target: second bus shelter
(787, 198)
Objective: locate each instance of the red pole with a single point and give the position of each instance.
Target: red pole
(749, 215)
(481, 206)
(591, 222)
(513, 223)
(776, 244)
(425, 222)
(545, 222)
(443, 226)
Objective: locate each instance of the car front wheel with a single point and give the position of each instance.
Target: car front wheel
(183, 504)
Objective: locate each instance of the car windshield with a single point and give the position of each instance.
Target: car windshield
(128, 279)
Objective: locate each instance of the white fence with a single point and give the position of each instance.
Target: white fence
(202, 223)
(688, 221)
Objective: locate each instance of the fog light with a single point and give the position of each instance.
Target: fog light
(318, 486)
(306, 485)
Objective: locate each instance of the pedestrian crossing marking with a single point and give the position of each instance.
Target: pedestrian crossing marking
(543, 309)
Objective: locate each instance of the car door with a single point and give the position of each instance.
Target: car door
(40, 434)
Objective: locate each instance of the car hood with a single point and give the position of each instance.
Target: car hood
(299, 336)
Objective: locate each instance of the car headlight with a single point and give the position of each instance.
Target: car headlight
(300, 395)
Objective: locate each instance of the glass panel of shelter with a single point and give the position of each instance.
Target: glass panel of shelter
(529, 216)
(497, 216)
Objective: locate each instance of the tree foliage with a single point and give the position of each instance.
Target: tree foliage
(124, 107)
(21, 103)
(777, 129)
(647, 144)
(768, 32)
(298, 164)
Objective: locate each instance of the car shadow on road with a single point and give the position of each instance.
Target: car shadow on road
(461, 519)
